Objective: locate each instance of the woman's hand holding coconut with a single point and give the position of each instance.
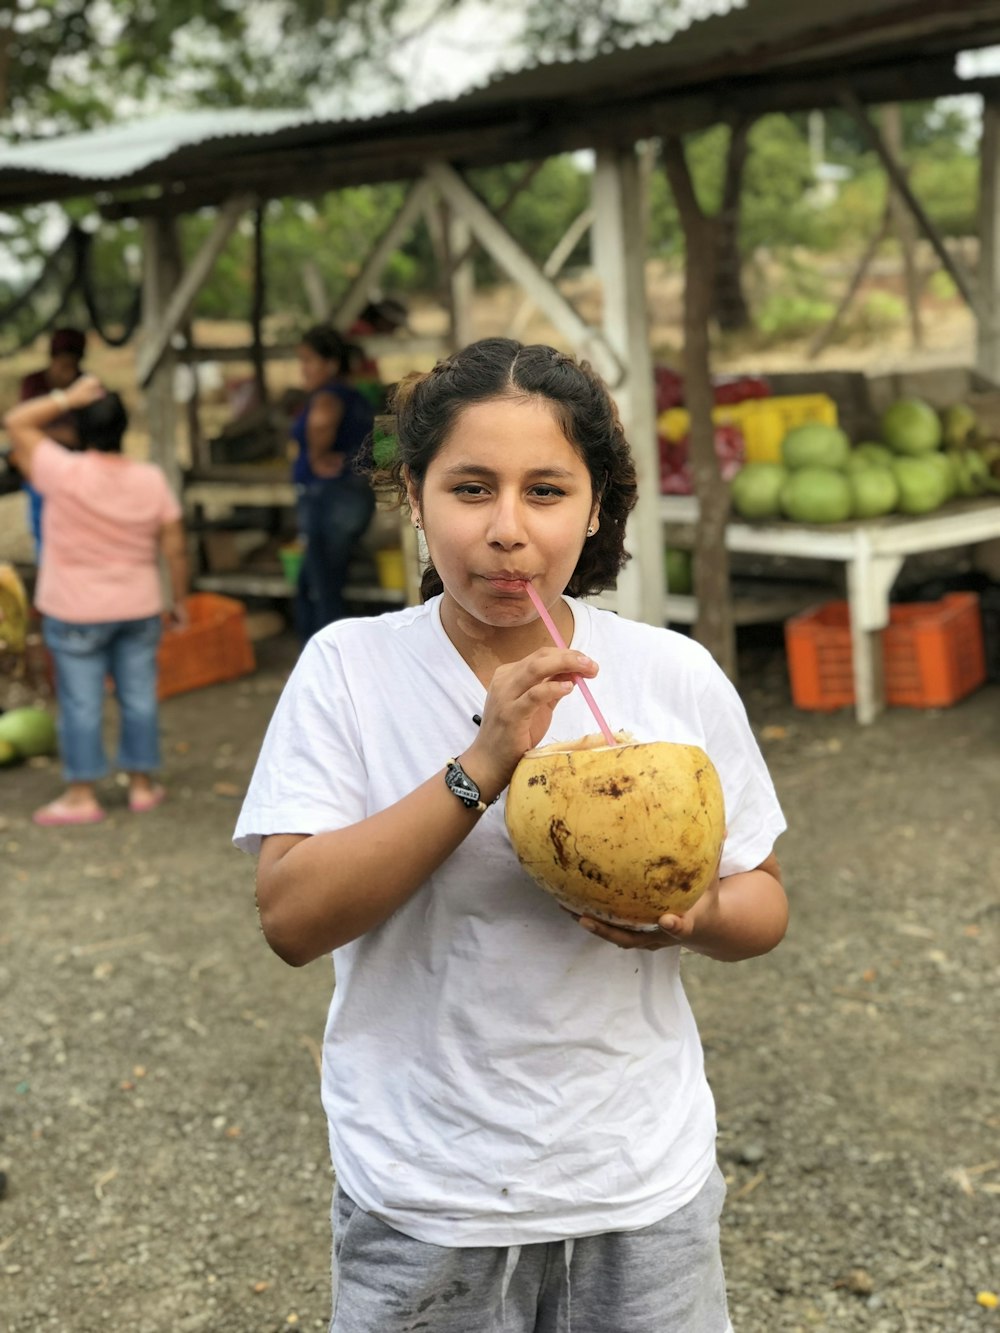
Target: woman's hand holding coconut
(733, 919)
(518, 712)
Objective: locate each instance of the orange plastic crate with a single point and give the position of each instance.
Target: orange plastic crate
(932, 654)
(214, 646)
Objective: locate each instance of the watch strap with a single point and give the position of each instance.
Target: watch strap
(461, 785)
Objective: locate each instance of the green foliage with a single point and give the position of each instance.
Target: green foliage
(792, 315)
(881, 311)
(775, 205)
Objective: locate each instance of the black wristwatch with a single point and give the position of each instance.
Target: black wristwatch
(461, 785)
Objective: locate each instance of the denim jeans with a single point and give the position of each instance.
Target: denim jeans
(84, 656)
(333, 515)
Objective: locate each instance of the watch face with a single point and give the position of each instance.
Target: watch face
(462, 785)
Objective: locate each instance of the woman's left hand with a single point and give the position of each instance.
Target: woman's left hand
(672, 929)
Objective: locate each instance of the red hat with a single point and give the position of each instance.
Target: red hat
(71, 341)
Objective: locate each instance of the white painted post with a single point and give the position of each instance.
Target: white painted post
(988, 328)
(461, 277)
(619, 246)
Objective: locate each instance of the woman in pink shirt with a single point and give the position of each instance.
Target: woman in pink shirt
(107, 521)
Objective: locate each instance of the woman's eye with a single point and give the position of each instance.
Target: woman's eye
(546, 492)
(470, 488)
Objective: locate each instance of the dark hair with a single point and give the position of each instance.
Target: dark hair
(101, 425)
(327, 343)
(68, 342)
(427, 407)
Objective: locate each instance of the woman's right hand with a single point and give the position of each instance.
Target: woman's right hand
(85, 390)
(518, 712)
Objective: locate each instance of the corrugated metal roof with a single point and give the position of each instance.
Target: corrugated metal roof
(116, 151)
(755, 50)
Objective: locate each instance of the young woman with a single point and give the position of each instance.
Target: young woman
(335, 503)
(520, 1124)
(107, 522)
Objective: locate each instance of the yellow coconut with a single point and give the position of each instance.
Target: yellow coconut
(622, 833)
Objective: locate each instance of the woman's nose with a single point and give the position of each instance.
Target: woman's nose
(506, 526)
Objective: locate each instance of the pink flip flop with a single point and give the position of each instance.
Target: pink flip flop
(58, 814)
(143, 802)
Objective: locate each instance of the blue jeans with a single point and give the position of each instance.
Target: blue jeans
(84, 656)
(333, 515)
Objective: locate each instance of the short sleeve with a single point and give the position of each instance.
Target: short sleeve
(52, 467)
(310, 776)
(754, 820)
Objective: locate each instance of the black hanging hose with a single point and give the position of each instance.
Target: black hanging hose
(77, 246)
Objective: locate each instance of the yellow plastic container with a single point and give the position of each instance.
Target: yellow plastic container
(764, 421)
(391, 569)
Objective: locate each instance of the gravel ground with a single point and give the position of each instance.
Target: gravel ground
(160, 1125)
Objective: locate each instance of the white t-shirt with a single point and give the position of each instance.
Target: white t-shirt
(492, 1074)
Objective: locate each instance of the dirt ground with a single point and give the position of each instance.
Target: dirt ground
(160, 1125)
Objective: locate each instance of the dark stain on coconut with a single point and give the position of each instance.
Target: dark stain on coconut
(538, 780)
(615, 787)
(590, 871)
(559, 835)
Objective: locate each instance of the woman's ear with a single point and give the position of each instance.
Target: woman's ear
(412, 492)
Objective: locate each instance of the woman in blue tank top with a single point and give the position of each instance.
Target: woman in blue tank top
(335, 503)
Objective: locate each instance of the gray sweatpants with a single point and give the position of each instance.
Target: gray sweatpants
(665, 1278)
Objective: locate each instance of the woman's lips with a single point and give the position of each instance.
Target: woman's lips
(507, 582)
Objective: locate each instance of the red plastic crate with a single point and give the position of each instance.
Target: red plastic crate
(932, 654)
(213, 647)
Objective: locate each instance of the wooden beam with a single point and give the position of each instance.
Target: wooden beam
(497, 240)
(552, 267)
(375, 344)
(357, 295)
(500, 210)
(901, 185)
(183, 295)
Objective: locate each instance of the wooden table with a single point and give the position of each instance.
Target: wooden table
(872, 552)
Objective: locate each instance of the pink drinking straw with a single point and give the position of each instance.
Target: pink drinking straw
(558, 640)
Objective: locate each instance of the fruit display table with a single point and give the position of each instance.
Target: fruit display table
(872, 553)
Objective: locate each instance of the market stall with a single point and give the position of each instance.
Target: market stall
(872, 554)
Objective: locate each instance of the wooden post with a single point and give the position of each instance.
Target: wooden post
(619, 247)
(259, 304)
(902, 221)
(160, 275)
(715, 626)
(988, 338)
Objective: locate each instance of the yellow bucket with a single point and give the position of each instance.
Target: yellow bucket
(391, 569)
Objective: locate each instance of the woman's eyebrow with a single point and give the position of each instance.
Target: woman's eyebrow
(477, 470)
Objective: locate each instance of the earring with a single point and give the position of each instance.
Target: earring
(591, 531)
(417, 524)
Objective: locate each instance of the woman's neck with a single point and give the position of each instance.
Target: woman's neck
(486, 647)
